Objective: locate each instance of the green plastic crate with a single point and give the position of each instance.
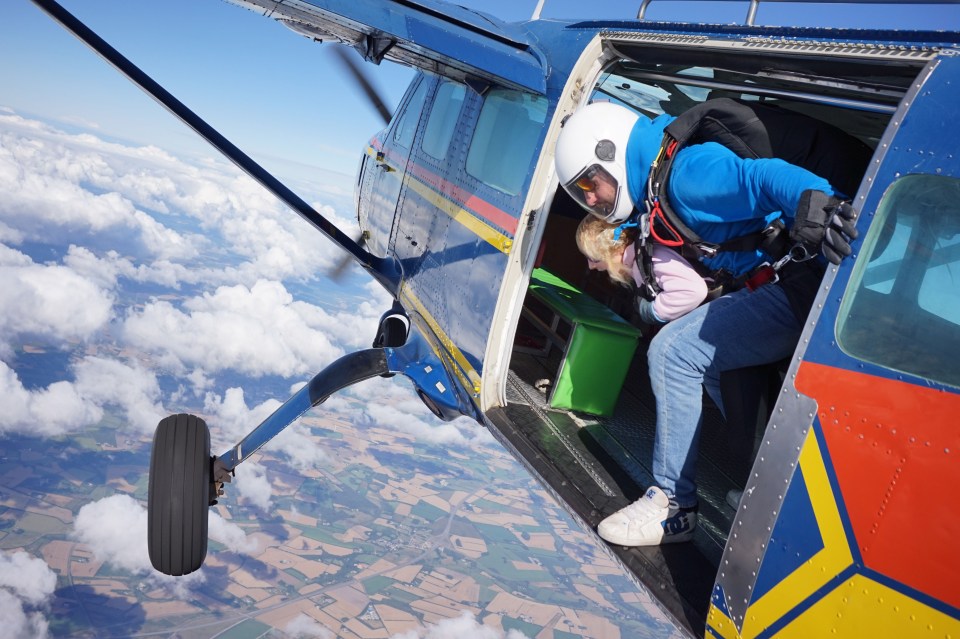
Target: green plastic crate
(598, 350)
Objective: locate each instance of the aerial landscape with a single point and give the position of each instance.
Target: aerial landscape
(140, 284)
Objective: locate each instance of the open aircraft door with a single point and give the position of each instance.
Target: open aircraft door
(447, 40)
(834, 533)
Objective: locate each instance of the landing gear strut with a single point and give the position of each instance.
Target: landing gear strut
(185, 480)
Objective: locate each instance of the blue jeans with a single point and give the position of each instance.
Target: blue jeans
(734, 331)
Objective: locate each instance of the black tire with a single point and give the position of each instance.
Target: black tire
(179, 495)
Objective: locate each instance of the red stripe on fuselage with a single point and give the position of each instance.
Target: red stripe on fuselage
(895, 449)
(476, 205)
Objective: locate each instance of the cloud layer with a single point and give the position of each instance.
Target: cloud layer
(26, 585)
(156, 267)
(136, 284)
(107, 525)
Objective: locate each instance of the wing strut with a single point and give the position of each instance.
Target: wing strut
(383, 270)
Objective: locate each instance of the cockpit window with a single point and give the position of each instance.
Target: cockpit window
(902, 307)
(443, 119)
(406, 128)
(505, 139)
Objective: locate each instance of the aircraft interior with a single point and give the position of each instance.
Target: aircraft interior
(592, 438)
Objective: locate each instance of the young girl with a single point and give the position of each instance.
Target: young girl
(682, 289)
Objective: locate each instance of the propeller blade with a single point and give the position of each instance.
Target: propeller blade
(336, 273)
(363, 80)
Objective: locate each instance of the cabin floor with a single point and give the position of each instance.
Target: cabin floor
(608, 461)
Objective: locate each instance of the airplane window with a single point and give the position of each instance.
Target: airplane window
(902, 307)
(443, 119)
(407, 126)
(640, 96)
(505, 139)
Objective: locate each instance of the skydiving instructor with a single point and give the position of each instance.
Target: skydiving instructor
(604, 156)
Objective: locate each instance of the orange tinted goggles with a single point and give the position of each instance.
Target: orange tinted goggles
(586, 184)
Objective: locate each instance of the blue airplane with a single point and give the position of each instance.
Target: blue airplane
(845, 453)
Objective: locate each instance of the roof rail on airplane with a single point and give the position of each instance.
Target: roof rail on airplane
(755, 4)
(539, 8)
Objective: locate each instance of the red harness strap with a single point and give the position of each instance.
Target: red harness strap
(657, 214)
(764, 274)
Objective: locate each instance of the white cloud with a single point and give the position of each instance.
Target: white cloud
(231, 420)
(115, 530)
(61, 188)
(48, 302)
(57, 409)
(55, 187)
(258, 330)
(301, 448)
(391, 403)
(106, 270)
(17, 622)
(230, 534)
(253, 485)
(28, 577)
(463, 627)
(65, 406)
(130, 387)
(26, 583)
(304, 627)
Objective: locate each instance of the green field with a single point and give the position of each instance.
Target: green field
(249, 629)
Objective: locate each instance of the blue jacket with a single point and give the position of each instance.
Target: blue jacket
(718, 194)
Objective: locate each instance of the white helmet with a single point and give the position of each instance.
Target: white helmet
(591, 159)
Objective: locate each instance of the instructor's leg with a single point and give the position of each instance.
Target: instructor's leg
(741, 329)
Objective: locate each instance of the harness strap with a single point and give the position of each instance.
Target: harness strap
(667, 228)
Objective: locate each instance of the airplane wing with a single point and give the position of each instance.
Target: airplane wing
(432, 35)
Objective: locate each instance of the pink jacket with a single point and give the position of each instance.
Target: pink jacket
(682, 289)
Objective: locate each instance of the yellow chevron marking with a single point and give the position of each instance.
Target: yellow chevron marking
(819, 569)
(720, 625)
(862, 607)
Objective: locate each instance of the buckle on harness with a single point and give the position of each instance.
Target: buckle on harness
(708, 250)
(766, 273)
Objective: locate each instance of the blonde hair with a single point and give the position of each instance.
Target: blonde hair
(595, 241)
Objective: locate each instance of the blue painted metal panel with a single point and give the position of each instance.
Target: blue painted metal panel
(421, 31)
(794, 540)
(459, 278)
(924, 142)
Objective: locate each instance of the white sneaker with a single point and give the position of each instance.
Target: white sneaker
(651, 520)
(733, 498)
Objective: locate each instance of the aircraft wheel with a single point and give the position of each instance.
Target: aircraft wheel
(179, 494)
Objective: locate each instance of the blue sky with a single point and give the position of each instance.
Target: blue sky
(279, 96)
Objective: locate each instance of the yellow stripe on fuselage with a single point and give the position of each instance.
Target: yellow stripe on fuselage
(467, 374)
(720, 626)
(464, 217)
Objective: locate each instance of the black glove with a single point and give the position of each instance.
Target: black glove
(825, 223)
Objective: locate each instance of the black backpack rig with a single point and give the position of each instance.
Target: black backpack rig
(751, 130)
